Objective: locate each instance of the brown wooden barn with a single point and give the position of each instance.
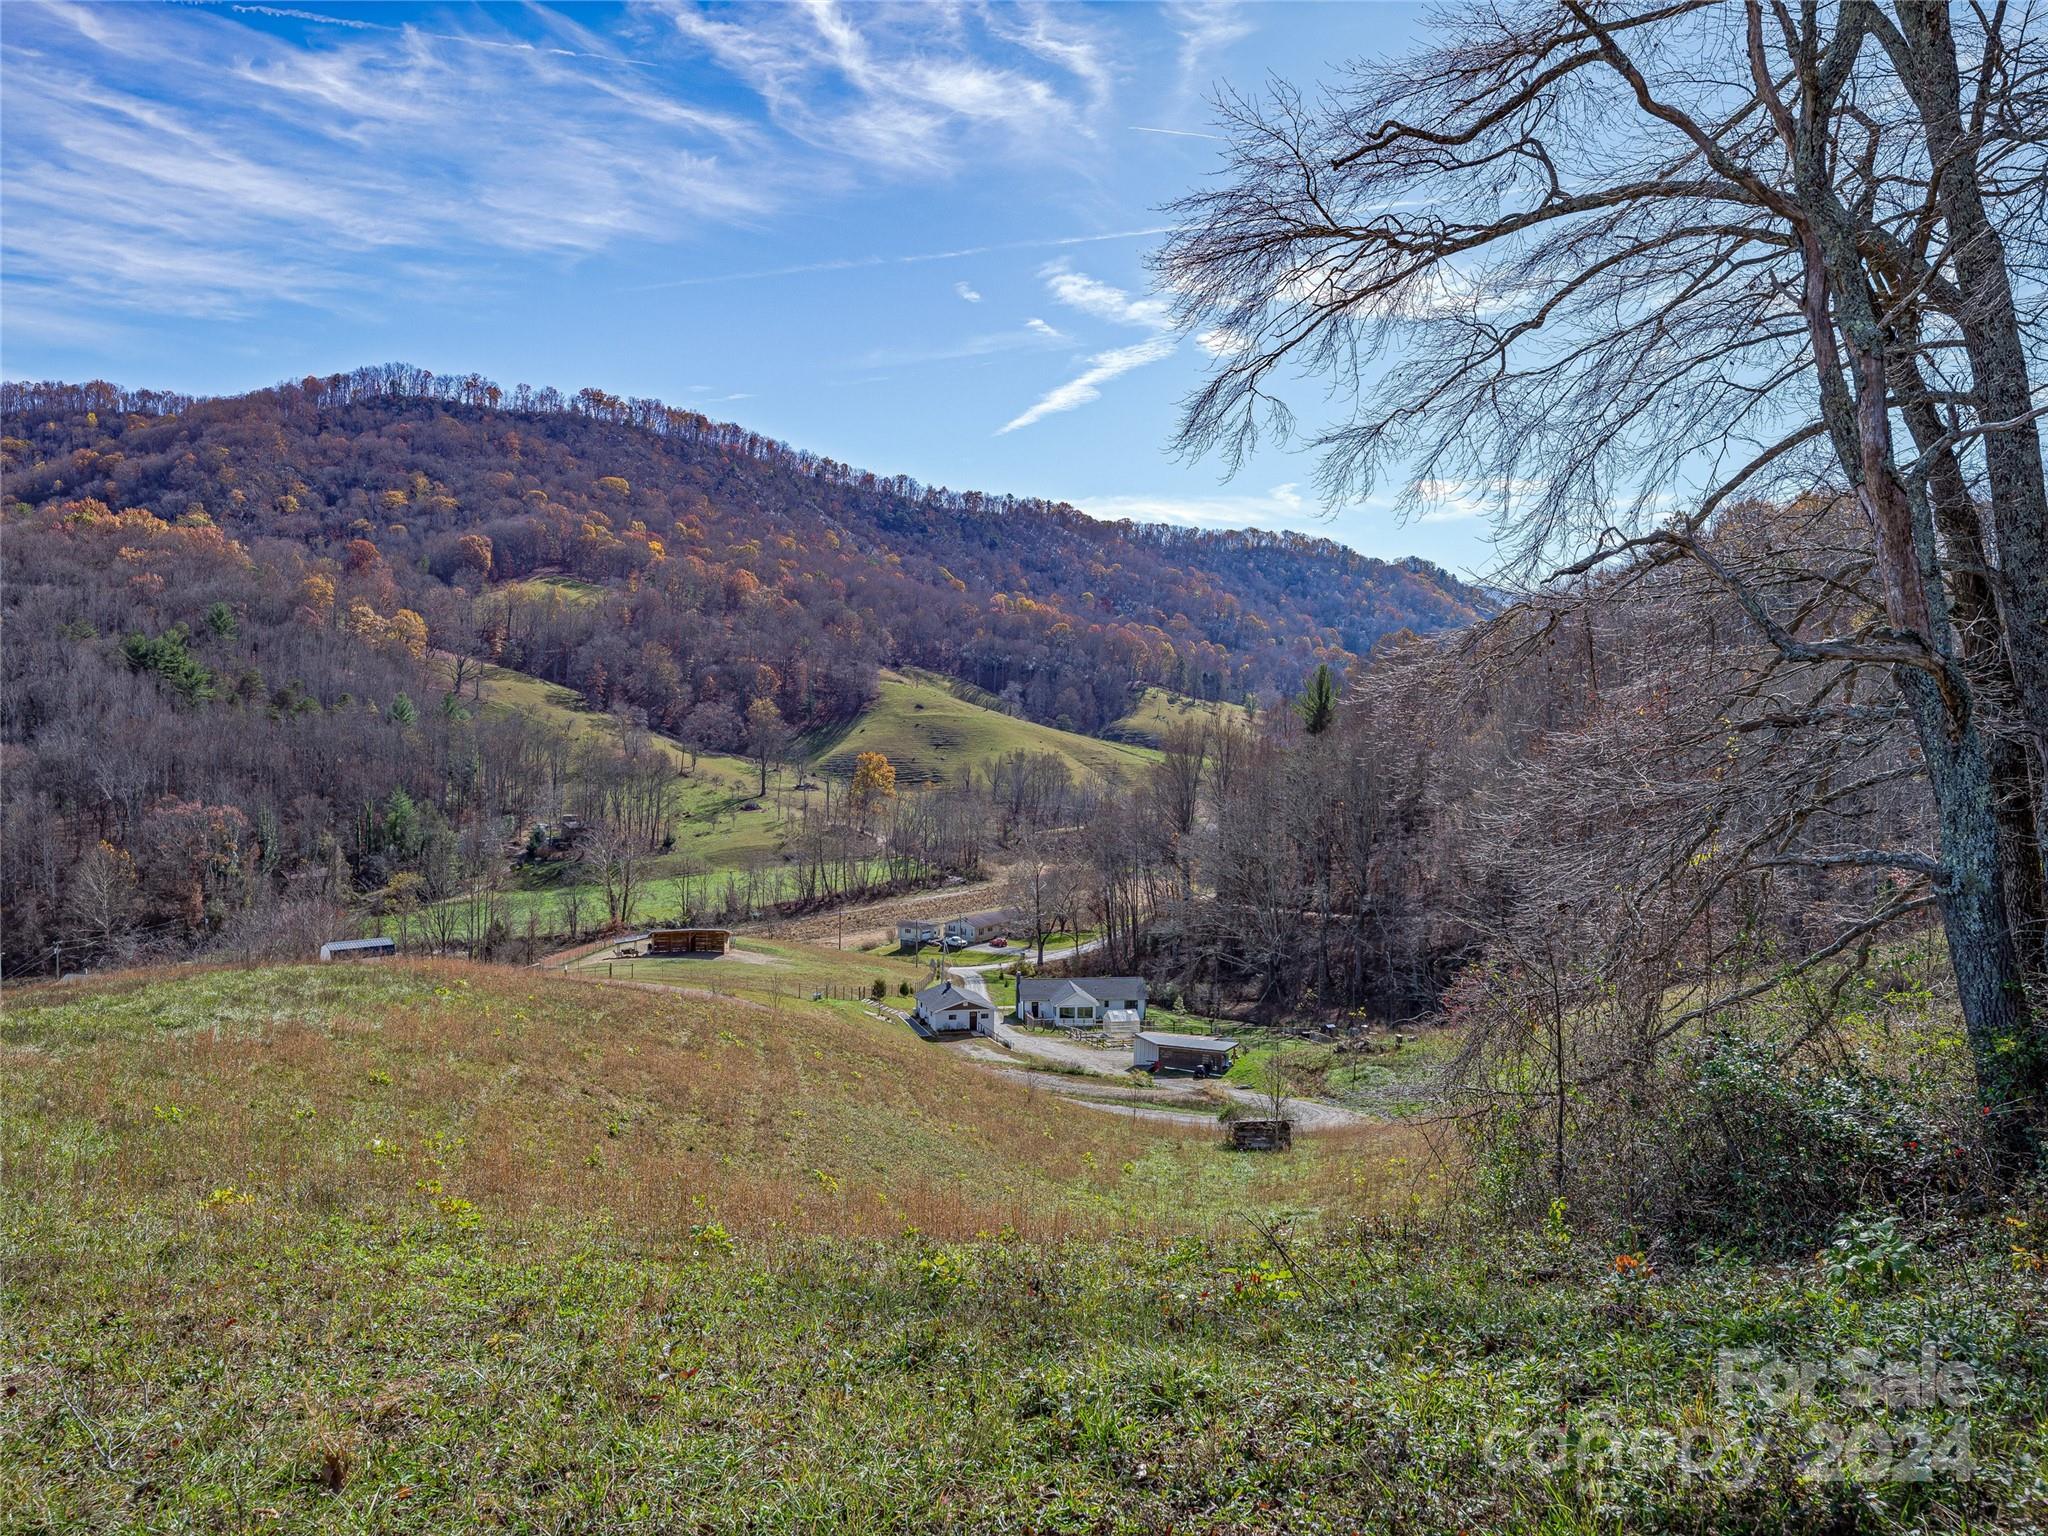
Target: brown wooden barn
(689, 941)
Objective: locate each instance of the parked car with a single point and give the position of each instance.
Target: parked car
(998, 943)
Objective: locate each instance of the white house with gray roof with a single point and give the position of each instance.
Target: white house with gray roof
(959, 1005)
(1081, 1002)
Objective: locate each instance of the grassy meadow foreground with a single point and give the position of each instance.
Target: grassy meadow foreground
(439, 1246)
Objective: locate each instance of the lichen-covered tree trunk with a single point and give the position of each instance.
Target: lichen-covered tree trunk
(1851, 346)
(1980, 631)
(1925, 55)
(2005, 1041)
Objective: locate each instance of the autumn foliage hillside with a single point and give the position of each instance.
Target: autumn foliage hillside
(725, 552)
(226, 697)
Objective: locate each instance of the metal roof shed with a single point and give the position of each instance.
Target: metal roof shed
(358, 949)
(1163, 1052)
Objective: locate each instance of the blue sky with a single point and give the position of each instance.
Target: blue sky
(909, 237)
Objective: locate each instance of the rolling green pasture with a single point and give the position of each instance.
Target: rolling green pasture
(1158, 710)
(931, 736)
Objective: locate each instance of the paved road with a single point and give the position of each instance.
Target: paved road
(1028, 952)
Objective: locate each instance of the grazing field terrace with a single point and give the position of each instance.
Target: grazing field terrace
(932, 736)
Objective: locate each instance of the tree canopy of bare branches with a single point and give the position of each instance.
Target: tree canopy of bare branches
(1613, 268)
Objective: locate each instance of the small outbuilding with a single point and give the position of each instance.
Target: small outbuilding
(1261, 1135)
(662, 942)
(1206, 1056)
(358, 949)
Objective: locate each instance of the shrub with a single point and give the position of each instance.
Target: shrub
(1734, 1146)
(1776, 1155)
(1871, 1254)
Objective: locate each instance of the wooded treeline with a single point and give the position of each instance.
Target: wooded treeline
(1552, 765)
(193, 726)
(236, 749)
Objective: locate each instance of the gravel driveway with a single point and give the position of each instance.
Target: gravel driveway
(1177, 1097)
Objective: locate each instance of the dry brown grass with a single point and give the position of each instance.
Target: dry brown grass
(484, 1093)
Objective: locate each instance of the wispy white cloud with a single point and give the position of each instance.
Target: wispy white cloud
(966, 290)
(1028, 337)
(1179, 133)
(1079, 291)
(1285, 506)
(1051, 332)
(855, 263)
(1206, 27)
(1223, 341)
(287, 13)
(910, 90)
(356, 24)
(1102, 301)
(1056, 36)
(186, 163)
(1458, 501)
(1281, 507)
(1078, 391)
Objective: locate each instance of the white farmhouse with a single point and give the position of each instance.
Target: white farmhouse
(957, 1006)
(1082, 1002)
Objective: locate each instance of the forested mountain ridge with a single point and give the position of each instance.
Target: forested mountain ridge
(727, 551)
(225, 690)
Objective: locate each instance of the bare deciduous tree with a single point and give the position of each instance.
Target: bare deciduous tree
(1608, 268)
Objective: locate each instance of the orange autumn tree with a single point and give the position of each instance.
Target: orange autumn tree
(874, 783)
(408, 631)
(473, 556)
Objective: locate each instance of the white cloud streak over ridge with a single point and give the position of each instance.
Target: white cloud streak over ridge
(1103, 301)
(1282, 507)
(1102, 367)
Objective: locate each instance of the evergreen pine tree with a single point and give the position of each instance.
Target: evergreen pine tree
(1317, 705)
